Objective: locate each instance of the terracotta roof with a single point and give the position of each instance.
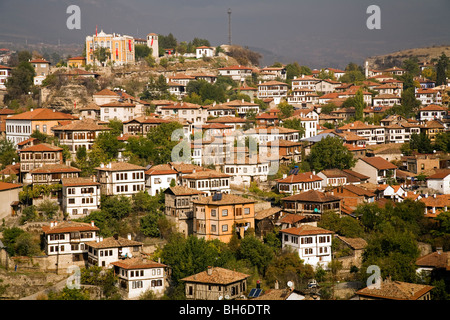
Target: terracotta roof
(118, 104)
(42, 114)
(160, 169)
(218, 276)
(379, 163)
(396, 290)
(267, 212)
(437, 201)
(41, 148)
(55, 168)
(305, 230)
(291, 218)
(113, 242)
(273, 83)
(440, 174)
(8, 186)
(120, 166)
(11, 169)
(300, 177)
(69, 226)
(240, 103)
(39, 61)
(185, 167)
(6, 111)
(270, 130)
(227, 119)
(182, 191)
(73, 182)
(357, 190)
(358, 175)
(226, 199)
(433, 107)
(311, 196)
(206, 174)
(137, 263)
(82, 125)
(146, 119)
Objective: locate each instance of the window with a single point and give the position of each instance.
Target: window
(213, 212)
(137, 284)
(224, 212)
(225, 228)
(246, 210)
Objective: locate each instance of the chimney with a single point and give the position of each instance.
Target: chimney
(439, 250)
(209, 270)
(277, 286)
(92, 223)
(52, 224)
(159, 260)
(434, 195)
(129, 236)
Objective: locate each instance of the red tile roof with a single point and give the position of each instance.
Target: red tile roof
(306, 230)
(69, 226)
(379, 163)
(42, 114)
(8, 186)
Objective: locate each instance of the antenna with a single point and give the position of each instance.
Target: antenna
(229, 26)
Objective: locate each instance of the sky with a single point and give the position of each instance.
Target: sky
(316, 33)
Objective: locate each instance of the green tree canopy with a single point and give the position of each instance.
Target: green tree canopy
(330, 153)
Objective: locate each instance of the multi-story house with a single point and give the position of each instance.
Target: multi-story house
(105, 96)
(313, 244)
(53, 173)
(288, 151)
(179, 207)
(5, 72)
(326, 85)
(428, 96)
(80, 196)
(159, 178)
(303, 96)
(191, 112)
(221, 110)
(272, 73)
(120, 178)
(208, 181)
(432, 112)
(235, 122)
(246, 169)
(122, 111)
(304, 82)
(242, 107)
(37, 156)
(80, 133)
(221, 215)
(267, 134)
(120, 48)
(178, 83)
(19, 127)
(237, 73)
(65, 242)
(433, 128)
(42, 70)
(299, 182)
(272, 89)
(103, 252)
(386, 99)
(379, 170)
(139, 275)
(215, 284)
(312, 204)
(142, 125)
(373, 133)
(440, 181)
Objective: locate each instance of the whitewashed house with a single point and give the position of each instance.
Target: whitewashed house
(158, 178)
(5, 72)
(204, 51)
(313, 244)
(80, 196)
(103, 252)
(440, 181)
(120, 178)
(139, 275)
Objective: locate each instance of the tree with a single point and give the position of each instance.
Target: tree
(48, 208)
(256, 252)
(8, 153)
(20, 82)
(102, 54)
(116, 207)
(108, 144)
(330, 153)
(286, 110)
(441, 70)
(421, 143)
(141, 51)
(359, 105)
(10, 236)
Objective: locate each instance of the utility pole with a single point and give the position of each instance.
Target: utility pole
(229, 26)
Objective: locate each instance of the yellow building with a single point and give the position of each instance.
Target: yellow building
(220, 215)
(76, 62)
(120, 48)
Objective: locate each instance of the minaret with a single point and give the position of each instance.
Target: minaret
(229, 26)
(152, 42)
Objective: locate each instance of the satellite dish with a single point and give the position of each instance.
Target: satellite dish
(290, 284)
(129, 254)
(227, 297)
(221, 298)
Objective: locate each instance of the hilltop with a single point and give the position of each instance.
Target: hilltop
(396, 58)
